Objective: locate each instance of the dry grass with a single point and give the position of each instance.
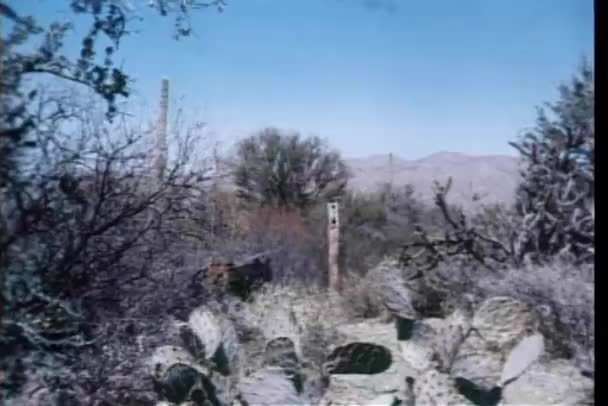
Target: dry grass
(361, 296)
(288, 223)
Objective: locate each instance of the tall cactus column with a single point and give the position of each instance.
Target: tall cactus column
(333, 238)
(159, 156)
(391, 171)
(161, 149)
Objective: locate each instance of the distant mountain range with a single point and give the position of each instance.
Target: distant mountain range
(492, 177)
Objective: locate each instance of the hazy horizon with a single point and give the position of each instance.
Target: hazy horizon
(438, 152)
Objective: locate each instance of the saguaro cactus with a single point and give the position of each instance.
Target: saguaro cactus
(161, 149)
(333, 237)
(391, 171)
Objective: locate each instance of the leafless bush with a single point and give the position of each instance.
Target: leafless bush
(283, 235)
(83, 226)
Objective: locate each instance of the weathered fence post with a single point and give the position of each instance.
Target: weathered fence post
(333, 238)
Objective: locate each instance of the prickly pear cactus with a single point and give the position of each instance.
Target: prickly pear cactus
(451, 336)
(166, 356)
(522, 356)
(417, 355)
(555, 382)
(473, 357)
(503, 321)
(269, 386)
(226, 357)
(185, 375)
(498, 324)
(207, 329)
(434, 388)
(177, 376)
(281, 352)
(398, 298)
(476, 363)
(358, 358)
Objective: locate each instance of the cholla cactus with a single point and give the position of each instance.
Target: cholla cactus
(554, 213)
(556, 197)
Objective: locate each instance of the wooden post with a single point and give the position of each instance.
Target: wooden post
(333, 238)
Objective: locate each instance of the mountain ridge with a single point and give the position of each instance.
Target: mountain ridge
(493, 177)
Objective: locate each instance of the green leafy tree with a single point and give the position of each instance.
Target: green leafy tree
(284, 170)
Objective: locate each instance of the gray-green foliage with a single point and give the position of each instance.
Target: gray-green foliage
(377, 224)
(274, 168)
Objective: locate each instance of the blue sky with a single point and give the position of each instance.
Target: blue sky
(412, 79)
